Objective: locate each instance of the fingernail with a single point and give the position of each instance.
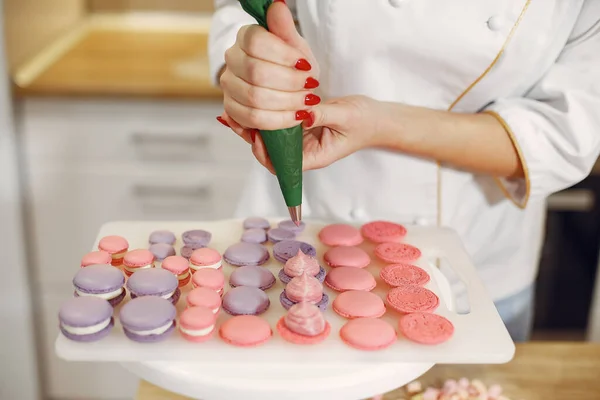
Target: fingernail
(221, 120)
(303, 65)
(253, 133)
(280, 1)
(311, 83)
(308, 122)
(312, 99)
(301, 115)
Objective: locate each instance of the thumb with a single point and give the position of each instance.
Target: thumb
(331, 115)
(281, 23)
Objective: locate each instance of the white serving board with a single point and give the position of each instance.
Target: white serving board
(480, 336)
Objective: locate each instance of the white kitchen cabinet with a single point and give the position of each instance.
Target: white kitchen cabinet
(88, 162)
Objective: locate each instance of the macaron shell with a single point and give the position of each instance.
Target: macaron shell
(113, 244)
(211, 278)
(176, 265)
(138, 258)
(340, 235)
(96, 257)
(348, 278)
(204, 297)
(205, 256)
(245, 300)
(347, 256)
(358, 304)
(255, 235)
(426, 328)
(162, 236)
(98, 279)
(196, 237)
(295, 338)
(197, 318)
(245, 331)
(412, 298)
(256, 223)
(287, 249)
(115, 301)
(244, 253)
(161, 251)
(291, 226)
(383, 231)
(150, 338)
(146, 313)
(81, 312)
(152, 282)
(397, 253)
(92, 337)
(404, 274)
(368, 334)
(252, 275)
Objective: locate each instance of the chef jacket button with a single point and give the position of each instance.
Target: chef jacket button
(396, 3)
(358, 214)
(421, 221)
(495, 23)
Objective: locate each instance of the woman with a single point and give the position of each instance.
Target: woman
(462, 114)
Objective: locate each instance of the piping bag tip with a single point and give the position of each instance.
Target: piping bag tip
(296, 214)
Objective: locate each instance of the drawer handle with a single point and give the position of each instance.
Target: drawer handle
(171, 191)
(170, 139)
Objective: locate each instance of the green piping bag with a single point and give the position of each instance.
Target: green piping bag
(284, 146)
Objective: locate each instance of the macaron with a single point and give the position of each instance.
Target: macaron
(100, 280)
(85, 319)
(301, 289)
(196, 237)
(96, 257)
(252, 275)
(412, 298)
(342, 279)
(368, 334)
(245, 331)
(162, 236)
(426, 328)
(347, 256)
(291, 226)
(245, 300)
(383, 231)
(148, 318)
(403, 274)
(116, 246)
(276, 235)
(186, 251)
(205, 257)
(161, 251)
(136, 260)
(397, 253)
(287, 249)
(243, 253)
(358, 304)
(299, 264)
(340, 235)
(154, 282)
(304, 324)
(256, 223)
(213, 279)
(254, 235)
(179, 267)
(204, 297)
(197, 324)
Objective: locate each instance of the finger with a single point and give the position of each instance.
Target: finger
(257, 118)
(268, 99)
(260, 152)
(259, 43)
(331, 115)
(262, 73)
(237, 128)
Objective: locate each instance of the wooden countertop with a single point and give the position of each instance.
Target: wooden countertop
(539, 371)
(120, 56)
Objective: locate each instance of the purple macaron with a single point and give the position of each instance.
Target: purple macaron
(256, 223)
(243, 253)
(100, 280)
(287, 303)
(154, 282)
(162, 236)
(186, 251)
(161, 251)
(291, 226)
(287, 249)
(253, 276)
(196, 238)
(245, 300)
(85, 319)
(254, 235)
(148, 319)
(276, 235)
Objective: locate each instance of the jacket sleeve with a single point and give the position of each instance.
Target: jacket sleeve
(556, 126)
(227, 20)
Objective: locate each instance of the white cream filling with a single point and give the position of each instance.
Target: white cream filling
(197, 267)
(168, 295)
(215, 310)
(183, 276)
(105, 296)
(88, 330)
(200, 332)
(158, 331)
(118, 255)
(133, 269)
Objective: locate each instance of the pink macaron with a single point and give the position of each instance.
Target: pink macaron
(197, 324)
(347, 256)
(245, 331)
(204, 297)
(304, 324)
(209, 278)
(349, 278)
(426, 328)
(340, 235)
(358, 304)
(411, 298)
(383, 231)
(179, 267)
(404, 274)
(116, 246)
(136, 260)
(397, 253)
(205, 258)
(96, 257)
(368, 334)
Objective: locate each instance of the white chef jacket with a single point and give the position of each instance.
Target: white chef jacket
(533, 64)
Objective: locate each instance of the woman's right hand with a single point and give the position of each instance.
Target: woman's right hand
(268, 78)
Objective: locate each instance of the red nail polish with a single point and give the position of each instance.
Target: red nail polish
(221, 120)
(311, 83)
(308, 122)
(303, 65)
(312, 99)
(253, 133)
(301, 115)
(280, 1)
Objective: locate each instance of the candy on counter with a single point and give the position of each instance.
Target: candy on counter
(453, 390)
(414, 387)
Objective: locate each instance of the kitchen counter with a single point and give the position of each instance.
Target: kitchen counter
(539, 371)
